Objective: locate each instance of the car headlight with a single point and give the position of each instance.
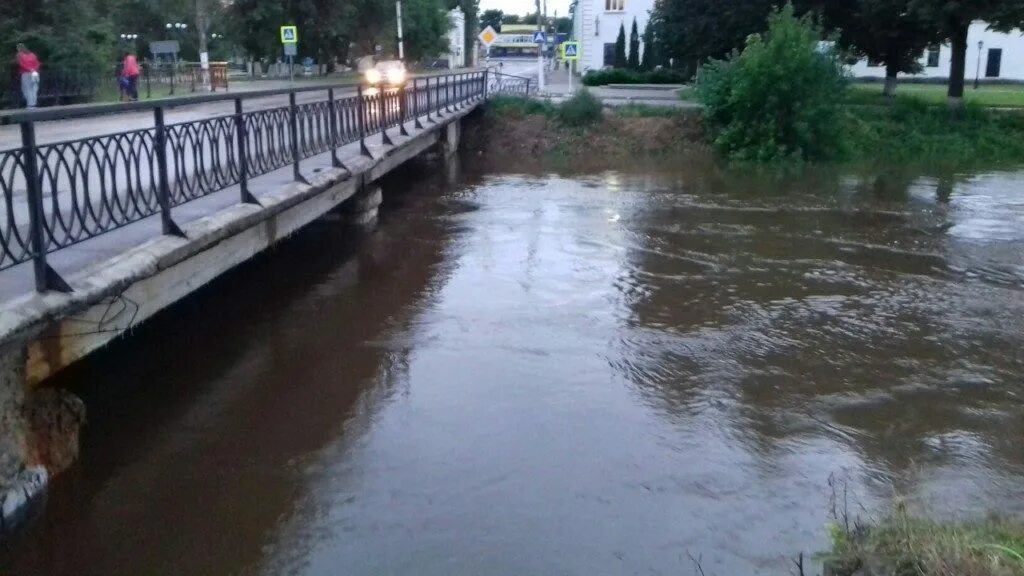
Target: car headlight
(396, 77)
(372, 76)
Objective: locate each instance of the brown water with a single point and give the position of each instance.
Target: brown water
(599, 374)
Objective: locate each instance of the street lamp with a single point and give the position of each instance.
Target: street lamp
(977, 70)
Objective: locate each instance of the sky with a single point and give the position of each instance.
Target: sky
(522, 7)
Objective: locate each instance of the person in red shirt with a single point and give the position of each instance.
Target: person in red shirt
(28, 69)
(130, 70)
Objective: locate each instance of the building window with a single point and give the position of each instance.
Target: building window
(614, 5)
(874, 63)
(933, 57)
(609, 54)
(995, 62)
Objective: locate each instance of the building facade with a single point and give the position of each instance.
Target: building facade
(991, 55)
(596, 27)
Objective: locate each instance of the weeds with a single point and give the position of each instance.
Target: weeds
(582, 109)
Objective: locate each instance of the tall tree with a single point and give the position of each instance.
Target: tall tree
(648, 61)
(491, 18)
(952, 18)
(510, 19)
(692, 31)
(884, 30)
(633, 61)
(620, 48)
(563, 25)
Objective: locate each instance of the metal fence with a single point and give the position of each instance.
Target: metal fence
(57, 194)
(509, 85)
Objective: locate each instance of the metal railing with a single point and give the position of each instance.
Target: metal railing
(509, 85)
(57, 194)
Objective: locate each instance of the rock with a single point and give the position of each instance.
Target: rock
(28, 484)
(54, 418)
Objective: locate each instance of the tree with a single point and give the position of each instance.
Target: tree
(563, 25)
(884, 30)
(633, 62)
(692, 31)
(620, 48)
(530, 18)
(491, 18)
(952, 19)
(648, 61)
(425, 26)
(510, 19)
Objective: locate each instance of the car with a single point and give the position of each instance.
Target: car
(387, 73)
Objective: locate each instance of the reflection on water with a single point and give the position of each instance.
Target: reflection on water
(597, 374)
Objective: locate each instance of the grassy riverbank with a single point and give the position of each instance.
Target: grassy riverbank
(908, 131)
(904, 545)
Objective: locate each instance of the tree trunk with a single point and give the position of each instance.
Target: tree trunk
(890, 80)
(958, 66)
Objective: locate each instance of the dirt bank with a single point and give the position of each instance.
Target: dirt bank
(615, 141)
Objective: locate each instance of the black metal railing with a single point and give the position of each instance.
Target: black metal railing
(58, 194)
(509, 85)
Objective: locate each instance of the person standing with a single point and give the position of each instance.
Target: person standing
(28, 69)
(130, 70)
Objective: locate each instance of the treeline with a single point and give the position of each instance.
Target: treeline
(895, 33)
(87, 33)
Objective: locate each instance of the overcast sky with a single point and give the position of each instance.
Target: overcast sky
(524, 6)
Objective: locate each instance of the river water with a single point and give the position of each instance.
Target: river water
(612, 373)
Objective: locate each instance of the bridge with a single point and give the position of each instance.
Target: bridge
(100, 230)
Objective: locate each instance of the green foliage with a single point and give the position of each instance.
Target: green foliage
(778, 100)
(621, 76)
(912, 131)
(633, 62)
(510, 19)
(620, 48)
(647, 111)
(692, 31)
(582, 109)
(648, 61)
(491, 18)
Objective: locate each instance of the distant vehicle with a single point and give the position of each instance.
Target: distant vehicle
(387, 73)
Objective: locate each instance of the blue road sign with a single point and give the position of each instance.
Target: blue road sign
(540, 37)
(570, 51)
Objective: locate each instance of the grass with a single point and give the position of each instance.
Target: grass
(580, 110)
(645, 111)
(912, 131)
(993, 96)
(905, 546)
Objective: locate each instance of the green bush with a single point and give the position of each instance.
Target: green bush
(780, 98)
(624, 76)
(583, 108)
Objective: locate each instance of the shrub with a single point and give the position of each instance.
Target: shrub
(583, 108)
(780, 98)
(519, 106)
(623, 76)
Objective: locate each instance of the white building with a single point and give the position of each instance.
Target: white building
(457, 39)
(596, 27)
(991, 55)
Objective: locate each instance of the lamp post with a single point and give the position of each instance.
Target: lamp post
(977, 69)
(176, 30)
(398, 13)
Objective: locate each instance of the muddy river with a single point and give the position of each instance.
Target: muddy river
(557, 373)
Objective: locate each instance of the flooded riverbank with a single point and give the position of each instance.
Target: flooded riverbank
(542, 373)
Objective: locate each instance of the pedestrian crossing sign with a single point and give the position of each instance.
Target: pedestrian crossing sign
(570, 50)
(539, 37)
(289, 34)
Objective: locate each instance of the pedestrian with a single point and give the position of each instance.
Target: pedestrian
(28, 70)
(130, 71)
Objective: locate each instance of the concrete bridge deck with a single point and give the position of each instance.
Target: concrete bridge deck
(121, 277)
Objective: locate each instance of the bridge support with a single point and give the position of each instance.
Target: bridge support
(451, 136)
(364, 206)
(38, 435)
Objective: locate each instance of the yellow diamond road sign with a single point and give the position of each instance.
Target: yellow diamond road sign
(488, 36)
(289, 34)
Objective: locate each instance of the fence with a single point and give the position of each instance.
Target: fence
(58, 194)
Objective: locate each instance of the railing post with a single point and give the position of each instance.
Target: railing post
(361, 111)
(332, 109)
(163, 192)
(293, 120)
(383, 111)
(149, 77)
(448, 94)
(403, 96)
(241, 140)
(45, 277)
(416, 104)
(430, 103)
